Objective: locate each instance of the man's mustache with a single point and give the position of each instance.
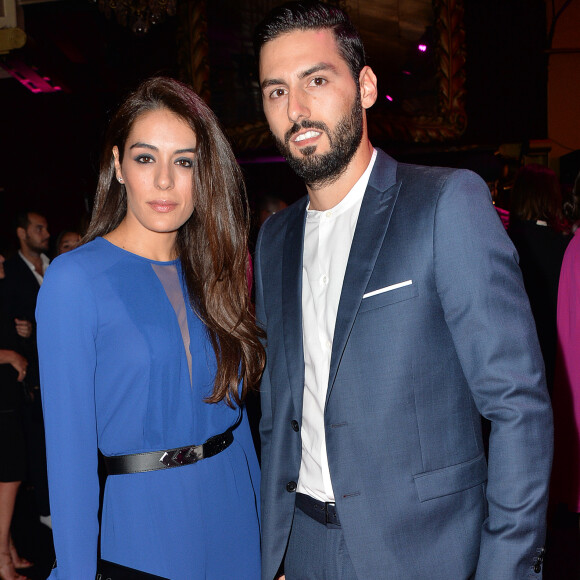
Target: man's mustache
(305, 125)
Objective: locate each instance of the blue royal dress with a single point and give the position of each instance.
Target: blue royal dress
(115, 374)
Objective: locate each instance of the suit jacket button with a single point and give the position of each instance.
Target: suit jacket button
(295, 425)
(291, 486)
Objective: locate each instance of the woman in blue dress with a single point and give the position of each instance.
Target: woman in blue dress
(147, 347)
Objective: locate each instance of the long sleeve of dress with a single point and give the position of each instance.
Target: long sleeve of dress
(67, 320)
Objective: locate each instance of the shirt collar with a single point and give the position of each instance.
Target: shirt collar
(44, 259)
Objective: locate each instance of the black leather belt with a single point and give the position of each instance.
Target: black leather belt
(323, 512)
(153, 460)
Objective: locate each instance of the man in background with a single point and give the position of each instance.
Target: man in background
(24, 276)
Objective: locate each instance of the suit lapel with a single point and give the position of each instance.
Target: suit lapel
(292, 303)
(27, 272)
(375, 213)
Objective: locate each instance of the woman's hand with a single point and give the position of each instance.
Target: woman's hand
(20, 364)
(16, 360)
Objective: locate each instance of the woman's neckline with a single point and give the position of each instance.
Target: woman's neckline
(161, 262)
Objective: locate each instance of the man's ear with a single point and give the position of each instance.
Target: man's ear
(21, 233)
(368, 87)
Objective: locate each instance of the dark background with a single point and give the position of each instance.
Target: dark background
(49, 142)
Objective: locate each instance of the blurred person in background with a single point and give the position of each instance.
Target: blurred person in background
(13, 368)
(269, 205)
(537, 231)
(24, 276)
(66, 241)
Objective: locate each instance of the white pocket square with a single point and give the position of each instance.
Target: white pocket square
(387, 288)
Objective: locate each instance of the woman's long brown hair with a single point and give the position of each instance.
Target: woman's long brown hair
(212, 244)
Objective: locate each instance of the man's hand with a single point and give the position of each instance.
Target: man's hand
(23, 328)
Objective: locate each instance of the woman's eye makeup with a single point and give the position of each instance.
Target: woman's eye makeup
(144, 159)
(182, 161)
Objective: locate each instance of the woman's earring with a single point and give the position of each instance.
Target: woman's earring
(120, 179)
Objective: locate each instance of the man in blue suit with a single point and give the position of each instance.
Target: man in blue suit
(396, 317)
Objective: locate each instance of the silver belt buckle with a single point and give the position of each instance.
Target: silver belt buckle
(183, 456)
(328, 504)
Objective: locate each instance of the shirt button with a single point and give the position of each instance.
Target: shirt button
(291, 486)
(329, 214)
(324, 279)
(295, 425)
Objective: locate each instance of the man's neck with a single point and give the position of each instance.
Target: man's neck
(330, 194)
(34, 258)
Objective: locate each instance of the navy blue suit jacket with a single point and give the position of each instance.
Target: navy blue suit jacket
(413, 366)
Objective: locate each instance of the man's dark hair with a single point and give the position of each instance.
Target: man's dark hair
(22, 219)
(303, 16)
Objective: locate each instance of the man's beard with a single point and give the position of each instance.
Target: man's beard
(39, 249)
(326, 168)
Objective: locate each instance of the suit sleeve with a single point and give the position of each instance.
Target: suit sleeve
(487, 311)
(67, 322)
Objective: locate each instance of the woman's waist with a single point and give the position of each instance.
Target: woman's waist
(138, 439)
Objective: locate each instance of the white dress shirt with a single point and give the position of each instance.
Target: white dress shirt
(45, 262)
(327, 241)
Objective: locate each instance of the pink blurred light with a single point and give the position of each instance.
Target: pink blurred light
(389, 98)
(422, 47)
(29, 76)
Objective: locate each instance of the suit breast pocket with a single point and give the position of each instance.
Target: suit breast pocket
(391, 294)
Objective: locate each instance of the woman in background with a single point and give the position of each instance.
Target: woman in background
(147, 347)
(66, 241)
(12, 442)
(536, 230)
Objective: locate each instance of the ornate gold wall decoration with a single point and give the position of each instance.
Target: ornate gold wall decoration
(193, 52)
(449, 120)
(446, 122)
